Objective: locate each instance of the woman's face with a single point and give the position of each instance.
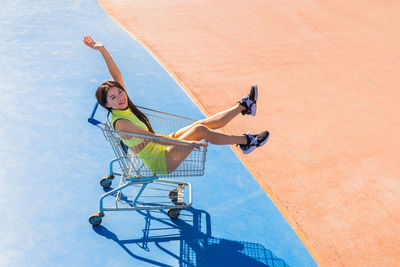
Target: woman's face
(116, 98)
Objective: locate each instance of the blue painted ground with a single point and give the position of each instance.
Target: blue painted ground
(51, 158)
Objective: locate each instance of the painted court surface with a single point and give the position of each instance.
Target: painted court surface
(51, 158)
(329, 79)
(324, 190)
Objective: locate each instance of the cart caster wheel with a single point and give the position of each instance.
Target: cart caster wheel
(174, 213)
(95, 219)
(106, 182)
(173, 196)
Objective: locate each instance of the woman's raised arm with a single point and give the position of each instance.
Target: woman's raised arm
(112, 67)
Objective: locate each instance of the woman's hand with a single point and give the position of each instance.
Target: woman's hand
(92, 44)
(198, 144)
(112, 67)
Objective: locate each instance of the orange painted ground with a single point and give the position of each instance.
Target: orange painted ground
(329, 75)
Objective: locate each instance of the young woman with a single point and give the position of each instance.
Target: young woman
(129, 119)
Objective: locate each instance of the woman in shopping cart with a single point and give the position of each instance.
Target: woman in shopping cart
(126, 117)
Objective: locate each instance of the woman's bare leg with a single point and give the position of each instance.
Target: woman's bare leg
(201, 131)
(216, 121)
(176, 154)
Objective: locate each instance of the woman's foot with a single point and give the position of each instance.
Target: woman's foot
(254, 141)
(249, 101)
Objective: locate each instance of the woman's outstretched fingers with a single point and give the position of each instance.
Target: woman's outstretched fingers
(88, 41)
(85, 41)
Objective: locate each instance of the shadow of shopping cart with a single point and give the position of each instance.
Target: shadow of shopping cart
(144, 170)
(196, 245)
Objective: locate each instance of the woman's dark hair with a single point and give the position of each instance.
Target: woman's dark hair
(101, 95)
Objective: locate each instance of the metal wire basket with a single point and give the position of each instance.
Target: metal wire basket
(148, 158)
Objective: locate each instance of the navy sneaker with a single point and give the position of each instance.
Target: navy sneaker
(249, 101)
(254, 141)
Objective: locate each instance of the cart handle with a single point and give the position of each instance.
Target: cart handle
(91, 120)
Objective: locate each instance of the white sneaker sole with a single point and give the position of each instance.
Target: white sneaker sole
(254, 106)
(256, 93)
(253, 110)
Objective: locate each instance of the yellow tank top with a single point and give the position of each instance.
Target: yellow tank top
(128, 115)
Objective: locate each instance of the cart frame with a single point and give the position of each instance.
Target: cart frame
(134, 173)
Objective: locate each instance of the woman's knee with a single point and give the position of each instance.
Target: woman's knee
(201, 122)
(201, 129)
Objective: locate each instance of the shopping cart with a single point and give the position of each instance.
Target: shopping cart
(142, 167)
